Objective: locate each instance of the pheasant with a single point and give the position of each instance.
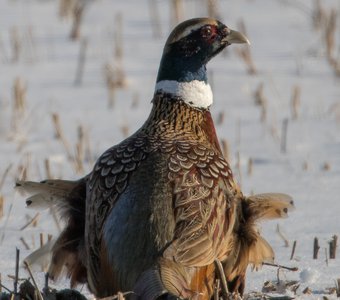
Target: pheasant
(161, 214)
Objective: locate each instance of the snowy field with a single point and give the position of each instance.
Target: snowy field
(289, 54)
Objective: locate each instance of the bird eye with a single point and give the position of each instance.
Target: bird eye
(206, 31)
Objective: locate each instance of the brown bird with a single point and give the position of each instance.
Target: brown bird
(161, 214)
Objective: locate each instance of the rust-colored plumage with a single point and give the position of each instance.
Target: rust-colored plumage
(160, 208)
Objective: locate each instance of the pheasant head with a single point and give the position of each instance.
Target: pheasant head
(188, 49)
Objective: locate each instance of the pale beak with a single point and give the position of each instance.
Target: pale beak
(235, 37)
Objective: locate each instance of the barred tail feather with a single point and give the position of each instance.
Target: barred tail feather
(46, 193)
(269, 206)
(260, 252)
(42, 256)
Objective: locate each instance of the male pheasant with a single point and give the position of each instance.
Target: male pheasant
(161, 210)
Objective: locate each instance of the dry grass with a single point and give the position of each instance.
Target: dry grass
(295, 102)
(330, 30)
(2, 201)
(81, 62)
(77, 17)
(212, 8)
(245, 52)
(177, 11)
(155, 19)
(15, 44)
(261, 101)
(319, 15)
(115, 77)
(18, 104)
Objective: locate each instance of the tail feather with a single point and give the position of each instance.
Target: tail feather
(268, 206)
(42, 256)
(260, 252)
(249, 246)
(46, 193)
(66, 252)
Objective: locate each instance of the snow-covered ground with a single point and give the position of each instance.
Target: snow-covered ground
(287, 51)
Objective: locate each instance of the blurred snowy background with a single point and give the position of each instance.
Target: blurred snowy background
(78, 76)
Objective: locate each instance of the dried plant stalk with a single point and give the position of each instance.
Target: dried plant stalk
(261, 100)
(305, 166)
(119, 51)
(79, 158)
(15, 44)
(259, 97)
(29, 45)
(336, 67)
(114, 73)
(330, 36)
(177, 11)
(250, 166)
(17, 256)
(293, 251)
(24, 167)
(316, 248)
(220, 118)
(238, 167)
(222, 278)
(332, 247)
(39, 296)
(212, 8)
(2, 201)
(115, 78)
(77, 17)
(33, 221)
(19, 93)
(27, 247)
(284, 135)
(225, 149)
(48, 169)
(110, 84)
(118, 37)
(41, 238)
(217, 287)
(5, 224)
(19, 102)
(81, 62)
(295, 102)
(282, 236)
(245, 52)
(3, 54)
(125, 130)
(338, 287)
(66, 7)
(155, 19)
(319, 15)
(60, 134)
(135, 100)
(326, 166)
(49, 237)
(88, 157)
(4, 175)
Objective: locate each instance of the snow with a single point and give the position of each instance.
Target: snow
(287, 51)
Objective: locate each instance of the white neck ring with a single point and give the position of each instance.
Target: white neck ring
(194, 93)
